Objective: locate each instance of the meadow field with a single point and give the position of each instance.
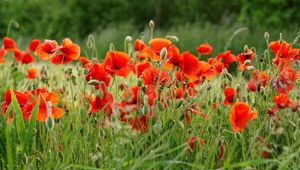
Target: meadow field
(204, 85)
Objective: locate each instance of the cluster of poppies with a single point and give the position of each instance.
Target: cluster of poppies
(163, 73)
(28, 100)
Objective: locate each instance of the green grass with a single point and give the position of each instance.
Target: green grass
(81, 141)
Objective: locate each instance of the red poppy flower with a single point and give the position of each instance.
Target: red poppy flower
(105, 103)
(157, 44)
(282, 101)
(60, 59)
(27, 58)
(48, 100)
(47, 49)
(85, 61)
(152, 75)
(116, 63)
(139, 45)
(173, 58)
(229, 96)
(69, 49)
(259, 79)
(241, 58)
(34, 44)
(18, 54)
(23, 101)
(240, 115)
(31, 73)
(283, 52)
(226, 58)
(204, 49)
(140, 67)
(97, 72)
(9, 44)
(189, 64)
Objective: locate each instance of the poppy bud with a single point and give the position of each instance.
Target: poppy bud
(247, 62)
(151, 24)
(246, 47)
(146, 109)
(50, 121)
(172, 38)
(128, 38)
(267, 35)
(160, 106)
(178, 104)
(111, 47)
(250, 68)
(163, 53)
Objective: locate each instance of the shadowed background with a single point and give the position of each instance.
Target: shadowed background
(193, 21)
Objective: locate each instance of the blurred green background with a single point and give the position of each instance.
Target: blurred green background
(193, 21)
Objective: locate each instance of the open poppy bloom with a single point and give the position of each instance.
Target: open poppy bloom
(139, 45)
(152, 76)
(27, 58)
(48, 100)
(9, 44)
(283, 52)
(229, 96)
(31, 73)
(33, 44)
(105, 103)
(47, 49)
(282, 100)
(241, 58)
(226, 58)
(84, 61)
(157, 44)
(204, 49)
(97, 72)
(173, 58)
(240, 115)
(116, 63)
(21, 98)
(140, 67)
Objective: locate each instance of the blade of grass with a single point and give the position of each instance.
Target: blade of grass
(9, 147)
(18, 117)
(31, 126)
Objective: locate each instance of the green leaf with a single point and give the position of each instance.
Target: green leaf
(9, 147)
(31, 126)
(18, 117)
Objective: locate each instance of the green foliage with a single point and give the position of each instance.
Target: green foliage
(76, 18)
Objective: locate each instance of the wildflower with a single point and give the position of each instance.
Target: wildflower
(157, 44)
(116, 63)
(9, 44)
(31, 73)
(204, 49)
(229, 95)
(240, 115)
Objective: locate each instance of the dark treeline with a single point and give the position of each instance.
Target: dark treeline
(78, 18)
